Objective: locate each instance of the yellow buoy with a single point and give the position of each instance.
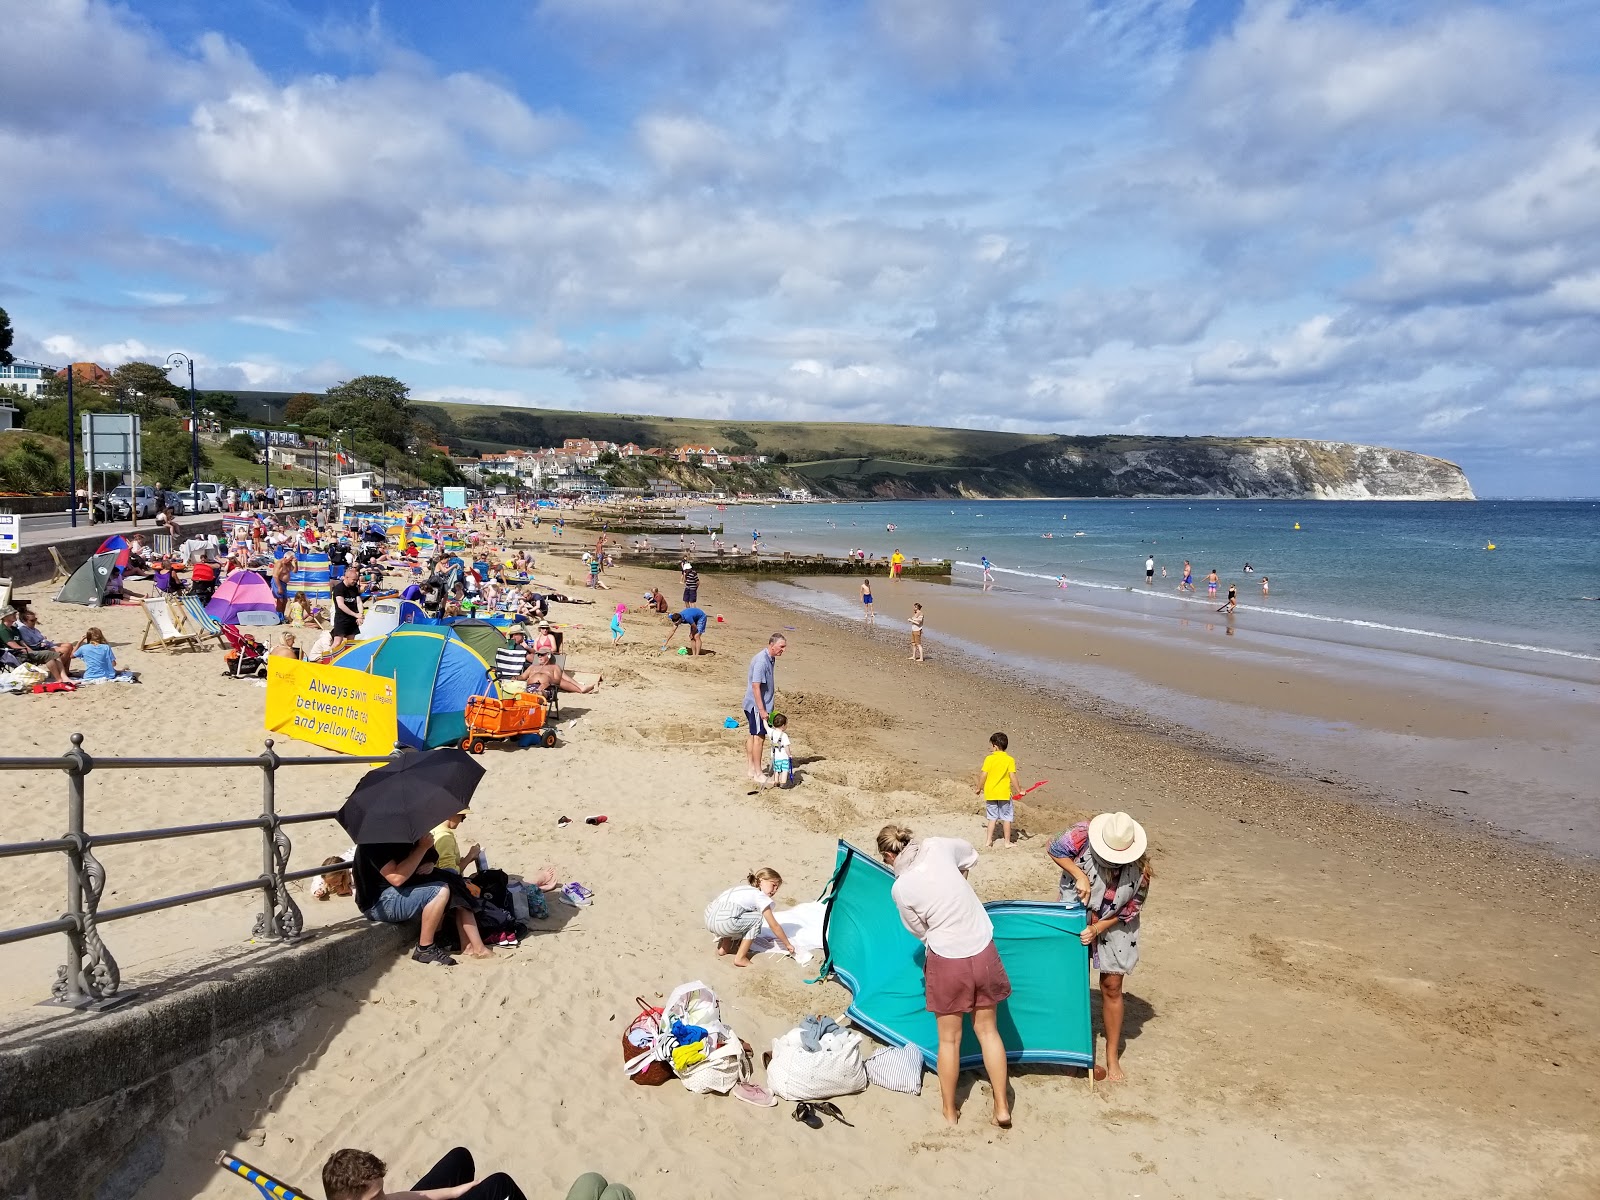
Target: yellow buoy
(1297, 524)
(1490, 546)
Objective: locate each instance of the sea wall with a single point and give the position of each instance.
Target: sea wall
(90, 1103)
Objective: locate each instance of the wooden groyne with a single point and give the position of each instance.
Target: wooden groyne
(791, 564)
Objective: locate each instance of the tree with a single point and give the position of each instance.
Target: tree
(375, 408)
(224, 404)
(6, 357)
(319, 421)
(241, 445)
(696, 461)
(143, 386)
(166, 452)
(299, 405)
(780, 459)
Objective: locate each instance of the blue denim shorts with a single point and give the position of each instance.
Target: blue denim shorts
(397, 905)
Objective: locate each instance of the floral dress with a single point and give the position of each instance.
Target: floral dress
(1114, 891)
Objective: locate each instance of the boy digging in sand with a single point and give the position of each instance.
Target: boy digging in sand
(997, 783)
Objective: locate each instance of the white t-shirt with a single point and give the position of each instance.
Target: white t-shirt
(780, 744)
(737, 902)
(936, 902)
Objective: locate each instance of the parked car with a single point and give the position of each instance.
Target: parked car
(210, 496)
(122, 499)
(188, 503)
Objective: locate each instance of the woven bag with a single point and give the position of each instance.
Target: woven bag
(643, 1063)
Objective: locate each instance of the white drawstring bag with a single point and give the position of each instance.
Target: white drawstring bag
(898, 1068)
(796, 1073)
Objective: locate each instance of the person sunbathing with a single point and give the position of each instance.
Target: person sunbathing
(547, 677)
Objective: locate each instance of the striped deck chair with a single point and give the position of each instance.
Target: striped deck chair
(199, 621)
(161, 545)
(270, 1188)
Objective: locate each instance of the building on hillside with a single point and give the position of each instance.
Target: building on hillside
(709, 456)
(87, 373)
(26, 377)
(631, 451)
(666, 487)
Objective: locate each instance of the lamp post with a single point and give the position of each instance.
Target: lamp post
(72, 459)
(175, 360)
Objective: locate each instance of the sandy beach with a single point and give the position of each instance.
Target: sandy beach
(1337, 999)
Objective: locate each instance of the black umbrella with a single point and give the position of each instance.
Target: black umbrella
(400, 801)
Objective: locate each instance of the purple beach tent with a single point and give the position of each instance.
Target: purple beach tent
(243, 592)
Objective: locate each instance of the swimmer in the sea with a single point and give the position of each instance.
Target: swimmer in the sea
(1188, 578)
(1264, 582)
(1211, 582)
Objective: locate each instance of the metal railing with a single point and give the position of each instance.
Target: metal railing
(90, 976)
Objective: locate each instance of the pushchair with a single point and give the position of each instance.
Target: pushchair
(246, 658)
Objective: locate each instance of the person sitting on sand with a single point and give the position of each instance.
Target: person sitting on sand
(393, 885)
(544, 641)
(12, 645)
(1104, 866)
(100, 660)
(963, 972)
(736, 916)
(359, 1175)
(285, 648)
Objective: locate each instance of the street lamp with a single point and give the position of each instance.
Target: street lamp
(176, 360)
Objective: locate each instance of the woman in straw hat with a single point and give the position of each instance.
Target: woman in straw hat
(1104, 867)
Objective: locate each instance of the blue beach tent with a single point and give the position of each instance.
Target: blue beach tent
(435, 674)
(1046, 1018)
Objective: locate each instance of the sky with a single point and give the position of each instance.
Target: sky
(1376, 223)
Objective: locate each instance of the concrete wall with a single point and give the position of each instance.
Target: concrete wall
(89, 1103)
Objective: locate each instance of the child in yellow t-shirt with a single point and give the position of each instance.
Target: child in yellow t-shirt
(997, 783)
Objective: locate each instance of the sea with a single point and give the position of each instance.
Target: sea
(1508, 575)
(1483, 607)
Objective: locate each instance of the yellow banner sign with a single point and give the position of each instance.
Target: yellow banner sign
(332, 707)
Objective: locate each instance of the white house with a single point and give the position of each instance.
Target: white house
(27, 377)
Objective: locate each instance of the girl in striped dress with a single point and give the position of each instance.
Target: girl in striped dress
(736, 916)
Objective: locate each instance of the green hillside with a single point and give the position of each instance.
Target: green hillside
(490, 428)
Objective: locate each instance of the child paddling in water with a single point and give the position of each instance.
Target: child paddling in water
(736, 916)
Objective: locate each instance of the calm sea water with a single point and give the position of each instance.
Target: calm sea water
(1406, 571)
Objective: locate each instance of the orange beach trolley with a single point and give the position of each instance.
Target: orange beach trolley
(493, 720)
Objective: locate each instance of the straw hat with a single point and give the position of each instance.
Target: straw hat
(1117, 838)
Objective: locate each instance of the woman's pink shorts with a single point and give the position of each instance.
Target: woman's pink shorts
(960, 985)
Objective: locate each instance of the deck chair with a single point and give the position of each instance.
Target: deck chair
(62, 573)
(161, 545)
(5, 591)
(199, 621)
(169, 634)
(270, 1188)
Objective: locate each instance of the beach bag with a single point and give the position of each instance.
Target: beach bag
(717, 1072)
(796, 1073)
(899, 1069)
(644, 1048)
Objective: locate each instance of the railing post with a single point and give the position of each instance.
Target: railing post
(90, 972)
(280, 916)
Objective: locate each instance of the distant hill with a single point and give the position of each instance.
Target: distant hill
(849, 459)
(861, 460)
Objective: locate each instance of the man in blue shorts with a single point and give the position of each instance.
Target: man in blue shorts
(694, 619)
(758, 696)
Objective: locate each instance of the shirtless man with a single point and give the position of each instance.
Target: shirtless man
(544, 676)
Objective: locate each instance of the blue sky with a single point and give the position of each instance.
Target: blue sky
(1373, 223)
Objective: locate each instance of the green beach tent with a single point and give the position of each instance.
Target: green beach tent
(435, 674)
